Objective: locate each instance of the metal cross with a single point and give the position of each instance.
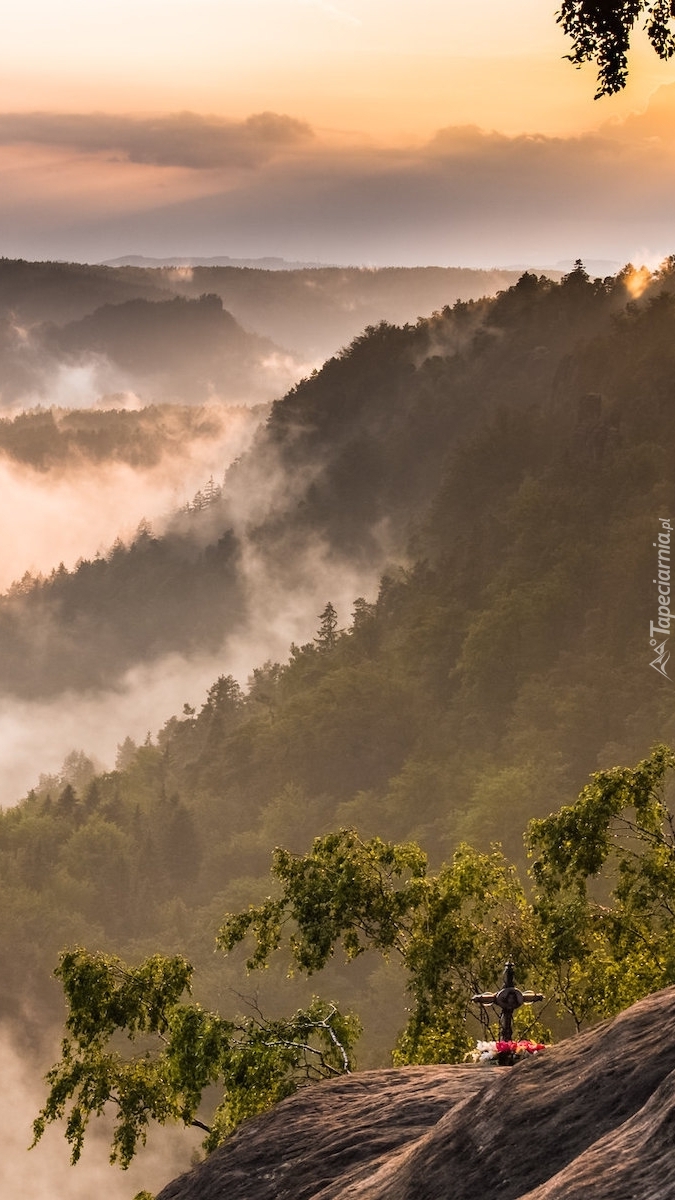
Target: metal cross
(507, 1000)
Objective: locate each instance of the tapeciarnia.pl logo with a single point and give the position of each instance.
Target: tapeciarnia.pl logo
(659, 631)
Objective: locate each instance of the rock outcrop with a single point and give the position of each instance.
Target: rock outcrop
(593, 1117)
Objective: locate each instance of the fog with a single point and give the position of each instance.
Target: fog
(175, 140)
(36, 736)
(286, 588)
(45, 1173)
(76, 510)
(58, 515)
(138, 352)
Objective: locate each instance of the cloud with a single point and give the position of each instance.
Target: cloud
(653, 126)
(468, 197)
(79, 507)
(183, 139)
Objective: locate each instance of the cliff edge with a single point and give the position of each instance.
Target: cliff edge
(593, 1117)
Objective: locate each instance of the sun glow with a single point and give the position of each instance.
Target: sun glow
(637, 281)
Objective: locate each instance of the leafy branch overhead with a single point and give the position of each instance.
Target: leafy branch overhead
(601, 31)
(447, 929)
(179, 1050)
(595, 929)
(617, 840)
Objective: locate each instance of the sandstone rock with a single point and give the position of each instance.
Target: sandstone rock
(592, 1117)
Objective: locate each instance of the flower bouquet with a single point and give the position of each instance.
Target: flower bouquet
(504, 1052)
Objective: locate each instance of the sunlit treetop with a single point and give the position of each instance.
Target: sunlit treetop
(601, 32)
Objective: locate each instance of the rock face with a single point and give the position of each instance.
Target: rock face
(592, 1117)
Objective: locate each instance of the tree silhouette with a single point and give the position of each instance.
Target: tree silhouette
(327, 634)
(601, 32)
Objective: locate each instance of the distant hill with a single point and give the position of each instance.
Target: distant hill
(160, 350)
(178, 350)
(310, 311)
(31, 292)
(261, 264)
(317, 312)
(588, 1119)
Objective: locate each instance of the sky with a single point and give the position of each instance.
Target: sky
(355, 131)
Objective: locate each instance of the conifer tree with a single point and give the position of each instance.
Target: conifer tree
(327, 635)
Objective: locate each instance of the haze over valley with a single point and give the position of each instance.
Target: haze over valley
(336, 442)
(79, 478)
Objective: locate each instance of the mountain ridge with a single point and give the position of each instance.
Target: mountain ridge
(269, 263)
(313, 311)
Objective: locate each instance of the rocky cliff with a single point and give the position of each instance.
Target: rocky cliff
(591, 1117)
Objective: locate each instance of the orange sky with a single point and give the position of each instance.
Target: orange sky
(387, 67)
(372, 79)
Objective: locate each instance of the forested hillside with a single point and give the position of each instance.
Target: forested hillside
(86, 334)
(516, 456)
(63, 439)
(158, 351)
(312, 311)
(492, 441)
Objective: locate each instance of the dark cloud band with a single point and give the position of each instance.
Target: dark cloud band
(179, 140)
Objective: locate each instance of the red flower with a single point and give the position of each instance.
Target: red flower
(514, 1047)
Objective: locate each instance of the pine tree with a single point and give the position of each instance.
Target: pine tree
(327, 635)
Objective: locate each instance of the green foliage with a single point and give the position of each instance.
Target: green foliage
(576, 842)
(180, 1050)
(595, 931)
(449, 929)
(346, 889)
(475, 916)
(605, 876)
